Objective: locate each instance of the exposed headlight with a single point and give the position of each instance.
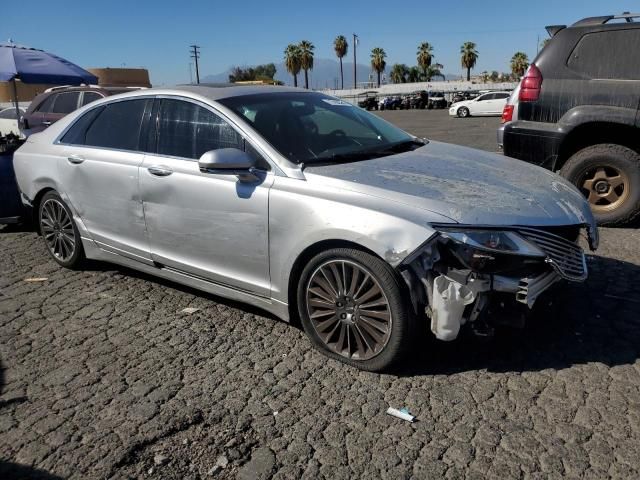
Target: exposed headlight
(492, 251)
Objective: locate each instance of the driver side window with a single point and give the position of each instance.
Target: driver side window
(188, 130)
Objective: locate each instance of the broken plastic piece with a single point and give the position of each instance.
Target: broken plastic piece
(401, 414)
(449, 300)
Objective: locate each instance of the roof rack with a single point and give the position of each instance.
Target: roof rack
(62, 87)
(628, 17)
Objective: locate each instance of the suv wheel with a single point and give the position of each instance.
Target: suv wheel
(609, 177)
(352, 308)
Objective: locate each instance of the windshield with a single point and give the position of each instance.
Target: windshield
(308, 127)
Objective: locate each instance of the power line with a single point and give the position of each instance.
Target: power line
(195, 54)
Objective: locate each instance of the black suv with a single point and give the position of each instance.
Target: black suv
(576, 112)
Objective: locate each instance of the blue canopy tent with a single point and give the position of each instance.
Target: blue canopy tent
(30, 65)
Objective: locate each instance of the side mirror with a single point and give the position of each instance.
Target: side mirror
(229, 161)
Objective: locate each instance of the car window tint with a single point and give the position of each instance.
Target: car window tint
(501, 96)
(76, 135)
(117, 125)
(188, 130)
(613, 54)
(9, 113)
(90, 97)
(47, 104)
(482, 98)
(66, 102)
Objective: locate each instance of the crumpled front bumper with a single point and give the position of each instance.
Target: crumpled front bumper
(451, 295)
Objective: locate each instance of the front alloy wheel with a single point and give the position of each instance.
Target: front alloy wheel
(351, 307)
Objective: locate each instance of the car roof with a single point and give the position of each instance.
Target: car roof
(220, 91)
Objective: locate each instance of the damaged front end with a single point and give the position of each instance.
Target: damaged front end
(486, 276)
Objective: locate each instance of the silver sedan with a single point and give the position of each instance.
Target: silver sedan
(308, 207)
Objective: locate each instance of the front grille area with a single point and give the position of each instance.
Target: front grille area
(565, 256)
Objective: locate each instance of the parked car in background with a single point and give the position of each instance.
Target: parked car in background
(369, 102)
(9, 121)
(462, 96)
(576, 113)
(11, 208)
(56, 102)
(405, 102)
(487, 104)
(308, 207)
(419, 99)
(437, 100)
(389, 103)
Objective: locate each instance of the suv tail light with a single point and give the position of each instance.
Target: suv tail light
(530, 85)
(507, 114)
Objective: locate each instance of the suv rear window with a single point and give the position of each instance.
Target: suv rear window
(613, 54)
(47, 104)
(66, 102)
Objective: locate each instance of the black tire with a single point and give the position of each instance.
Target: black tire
(463, 112)
(51, 205)
(609, 159)
(398, 339)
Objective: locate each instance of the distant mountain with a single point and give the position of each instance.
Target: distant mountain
(325, 74)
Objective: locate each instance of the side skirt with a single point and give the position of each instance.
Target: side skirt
(277, 308)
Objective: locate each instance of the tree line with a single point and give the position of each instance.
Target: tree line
(298, 57)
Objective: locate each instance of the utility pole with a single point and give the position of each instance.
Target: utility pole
(195, 54)
(355, 43)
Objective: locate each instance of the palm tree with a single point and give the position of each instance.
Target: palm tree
(425, 55)
(434, 70)
(293, 61)
(519, 64)
(306, 59)
(413, 75)
(377, 61)
(341, 46)
(469, 57)
(399, 73)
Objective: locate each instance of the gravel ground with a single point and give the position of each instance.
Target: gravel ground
(105, 376)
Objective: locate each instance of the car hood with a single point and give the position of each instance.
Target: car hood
(467, 185)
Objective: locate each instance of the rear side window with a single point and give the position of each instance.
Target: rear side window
(117, 125)
(90, 97)
(66, 102)
(47, 105)
(501, 96)
(613, 54)
(77, 134)
(188, 130)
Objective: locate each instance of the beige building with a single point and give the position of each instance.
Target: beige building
(111, 77)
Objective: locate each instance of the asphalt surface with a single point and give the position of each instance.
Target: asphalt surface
(476, 132)
(105, 376)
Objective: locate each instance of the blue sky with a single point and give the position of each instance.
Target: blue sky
(156, 35)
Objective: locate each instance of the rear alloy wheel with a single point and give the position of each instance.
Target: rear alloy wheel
(463, 112)
(608, 175)
(351, 306)
(59, 231)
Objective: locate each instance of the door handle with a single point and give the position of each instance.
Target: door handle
(160, 171)
(46, 124)
(75, 159)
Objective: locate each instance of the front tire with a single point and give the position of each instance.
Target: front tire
(352, 307)
(463, 112)
(609, 177)
(59, 231)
